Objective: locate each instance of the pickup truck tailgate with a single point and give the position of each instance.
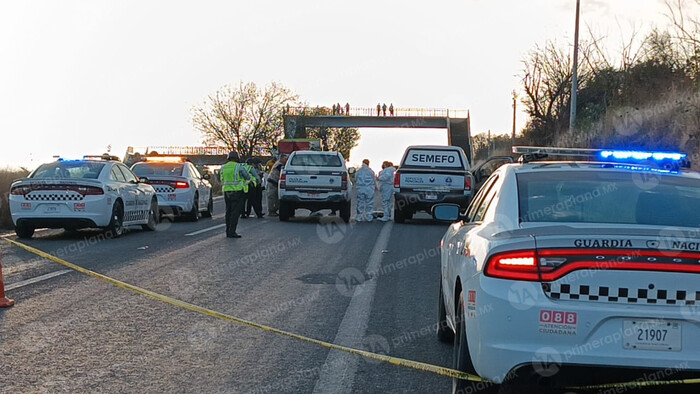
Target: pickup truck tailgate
(302, 180)
(418, 181)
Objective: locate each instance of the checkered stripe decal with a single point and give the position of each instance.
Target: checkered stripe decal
(163, 189)
(54, 197)
(564, 291)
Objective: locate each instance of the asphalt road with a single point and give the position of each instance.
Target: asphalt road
(369, 285)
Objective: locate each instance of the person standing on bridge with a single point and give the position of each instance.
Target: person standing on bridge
(335, 110)
(347, 109)
(366, 185)
(273, 199)
(379, 109)
(391, 109)
(234, 181)
(384, 109)
(386, 188)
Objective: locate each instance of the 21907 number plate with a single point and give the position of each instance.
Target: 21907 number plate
(652, 335)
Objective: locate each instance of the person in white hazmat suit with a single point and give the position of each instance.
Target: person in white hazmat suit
(386, 188)
(366, 185)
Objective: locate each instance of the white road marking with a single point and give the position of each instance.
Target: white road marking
(37, 279)
(206, 229)
(338, 372)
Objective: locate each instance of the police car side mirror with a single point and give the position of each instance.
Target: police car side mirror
(446, 212)
(207, 176)
(143, 179)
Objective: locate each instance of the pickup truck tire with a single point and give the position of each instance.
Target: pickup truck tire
(345, 210)
(399, 214)
(286, 211)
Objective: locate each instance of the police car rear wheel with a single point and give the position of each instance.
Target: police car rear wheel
(116, 223)
(152, 217)
(444, 332)
(193, 215)
(24, 232)
(462, 361)
(210, 209)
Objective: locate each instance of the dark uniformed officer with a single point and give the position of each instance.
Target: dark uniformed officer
(234, 181)
(254, 195)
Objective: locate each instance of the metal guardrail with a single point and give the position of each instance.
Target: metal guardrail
(180, 150)
(366, 111)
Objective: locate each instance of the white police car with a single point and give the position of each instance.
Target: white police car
(72, 194)
(181, 189)
(564, 270)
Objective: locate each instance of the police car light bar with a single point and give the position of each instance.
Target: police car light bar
(105, 156)
(165, 159)
(607, 155)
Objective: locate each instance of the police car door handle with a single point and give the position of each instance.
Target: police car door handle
(314, 177)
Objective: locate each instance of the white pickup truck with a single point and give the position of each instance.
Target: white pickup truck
(429, 175)
(314, 180)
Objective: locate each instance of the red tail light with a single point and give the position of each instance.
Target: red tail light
(397, 180)
(90, 190)
(344, 184)
(468, 182)
(550, 265)
(20, 190)
(181, 185)
(519, 265)
(283, 181)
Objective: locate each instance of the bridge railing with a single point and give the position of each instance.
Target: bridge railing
(366, 111)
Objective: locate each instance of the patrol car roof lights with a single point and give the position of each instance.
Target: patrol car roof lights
(165, 159)
(666, 160)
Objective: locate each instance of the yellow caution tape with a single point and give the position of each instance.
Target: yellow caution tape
(168, 300)
(416, 365)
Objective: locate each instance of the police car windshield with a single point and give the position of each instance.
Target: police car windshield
(158, 169)
(316, 160)
(609, 197)
(68, 170)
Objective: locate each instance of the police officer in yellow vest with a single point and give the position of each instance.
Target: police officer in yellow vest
(234, 181)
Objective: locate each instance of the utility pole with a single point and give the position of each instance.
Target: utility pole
(574, 82)
(515, 105)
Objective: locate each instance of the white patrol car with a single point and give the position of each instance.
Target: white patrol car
(93, 192)
(564, 272)
(314, 180)
(180, 187)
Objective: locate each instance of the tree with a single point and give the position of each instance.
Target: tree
(246, 118)
(340, 139)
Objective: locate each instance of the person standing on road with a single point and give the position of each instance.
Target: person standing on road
(273, 199)
(386, 188)
(252, 201)
(366, 185)
(234, 181)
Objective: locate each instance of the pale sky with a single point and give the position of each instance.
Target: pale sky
(77, 76)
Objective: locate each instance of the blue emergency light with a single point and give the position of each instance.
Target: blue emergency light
(641, 155)
(665, 160)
